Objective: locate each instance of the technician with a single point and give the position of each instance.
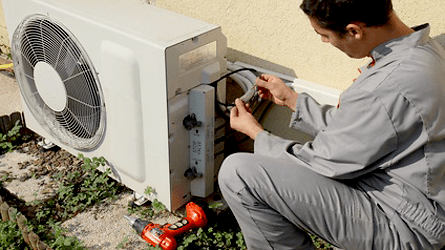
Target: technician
(374, 176)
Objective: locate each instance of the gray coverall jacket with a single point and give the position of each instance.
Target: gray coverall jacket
(387, 134)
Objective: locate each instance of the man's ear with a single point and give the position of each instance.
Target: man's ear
(355, 31)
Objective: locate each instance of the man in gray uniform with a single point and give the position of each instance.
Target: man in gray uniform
(374, 176)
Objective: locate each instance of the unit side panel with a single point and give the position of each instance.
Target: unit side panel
(178, 108)
(186, 60)
(121, 84)
(155, 123)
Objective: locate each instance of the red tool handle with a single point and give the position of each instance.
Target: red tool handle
(164, 235)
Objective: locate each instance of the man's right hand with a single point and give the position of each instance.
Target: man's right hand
(272, 88)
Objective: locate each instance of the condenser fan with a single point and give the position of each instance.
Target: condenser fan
(58, 82)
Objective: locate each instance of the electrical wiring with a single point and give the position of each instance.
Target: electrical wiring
(245, 79)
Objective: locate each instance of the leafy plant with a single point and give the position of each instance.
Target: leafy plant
(11, 237)
(122, 243)
(213, 238)
(320, 243)
(7, 141)
(61, 242)
(84, 188)
(155, 203)
(216, 205)
(140, 211)
(150, 247)
(78, 190)
(4, 177)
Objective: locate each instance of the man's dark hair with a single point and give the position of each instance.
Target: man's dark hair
(337, 14)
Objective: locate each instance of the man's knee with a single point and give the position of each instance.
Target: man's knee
(233, 169)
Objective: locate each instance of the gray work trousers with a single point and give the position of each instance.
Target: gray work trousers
(276, 202)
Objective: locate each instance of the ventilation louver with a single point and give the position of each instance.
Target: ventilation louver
(59, 83)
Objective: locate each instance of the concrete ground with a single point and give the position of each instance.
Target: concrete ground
(9, 95)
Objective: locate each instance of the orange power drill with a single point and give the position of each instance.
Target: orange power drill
(163, 235)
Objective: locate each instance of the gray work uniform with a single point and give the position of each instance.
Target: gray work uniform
(373, 177)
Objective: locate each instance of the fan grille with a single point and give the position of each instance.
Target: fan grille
(81, 123)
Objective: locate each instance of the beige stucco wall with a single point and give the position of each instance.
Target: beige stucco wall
(4, 41)
(277, 35)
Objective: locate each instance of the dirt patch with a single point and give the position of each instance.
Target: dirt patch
(26, 174)
(104, 227)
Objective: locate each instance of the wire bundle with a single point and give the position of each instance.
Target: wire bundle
(245, 78)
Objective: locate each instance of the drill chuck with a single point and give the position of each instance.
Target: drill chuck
(137, 224)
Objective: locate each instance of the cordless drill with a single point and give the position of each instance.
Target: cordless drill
(163, 235)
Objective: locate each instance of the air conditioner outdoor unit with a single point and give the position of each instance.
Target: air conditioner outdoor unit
(117, 79)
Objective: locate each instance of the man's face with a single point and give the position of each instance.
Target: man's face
(348, 43)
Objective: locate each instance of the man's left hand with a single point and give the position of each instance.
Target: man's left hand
(242, 120)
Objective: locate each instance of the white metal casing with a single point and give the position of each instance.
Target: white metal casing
(147, 59)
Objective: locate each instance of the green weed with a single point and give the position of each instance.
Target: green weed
(78, 190)
(61, 242)
(123, 243)
(155, 203)
(11, 237)
(8, 140)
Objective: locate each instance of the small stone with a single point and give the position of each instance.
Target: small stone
(24, 177)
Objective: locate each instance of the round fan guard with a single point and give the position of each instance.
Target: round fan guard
(58, 82)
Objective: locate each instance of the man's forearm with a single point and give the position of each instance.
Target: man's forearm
(292, 102)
